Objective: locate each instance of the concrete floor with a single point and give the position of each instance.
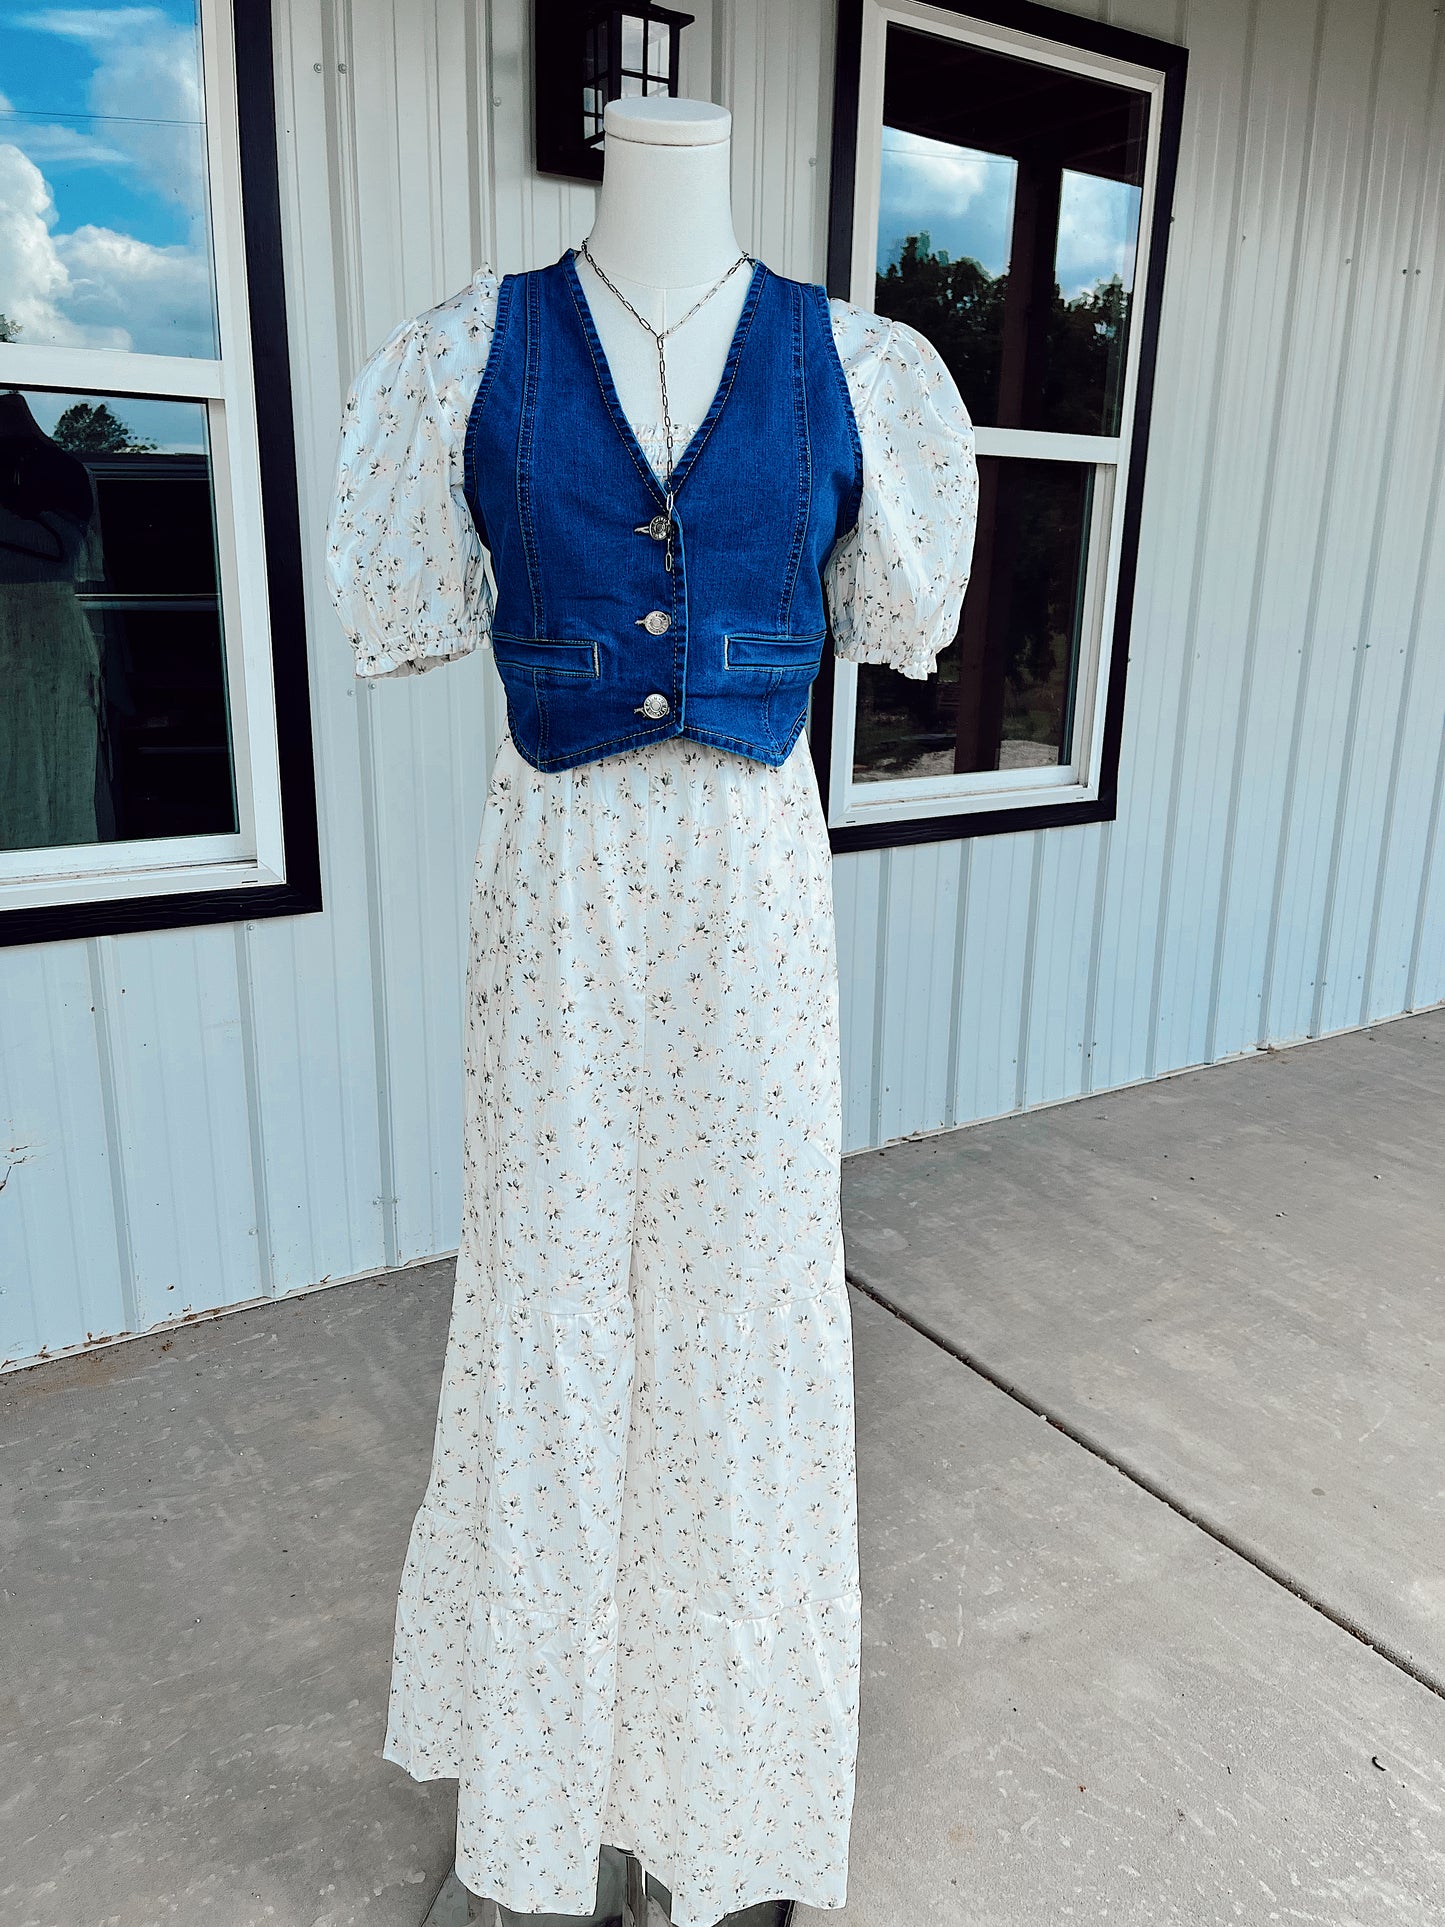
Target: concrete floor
(1152, 1494)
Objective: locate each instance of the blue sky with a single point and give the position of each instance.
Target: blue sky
(103, 227)
(45, 78)
(963, 197)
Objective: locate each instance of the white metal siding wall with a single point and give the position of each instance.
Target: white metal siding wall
(201, 1117)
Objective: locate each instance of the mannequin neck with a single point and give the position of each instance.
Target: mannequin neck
(664, 235)
(664, 215)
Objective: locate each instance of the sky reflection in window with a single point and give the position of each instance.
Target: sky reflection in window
(104, 228)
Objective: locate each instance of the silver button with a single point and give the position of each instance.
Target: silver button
(654, 706)
(656, 528)
(656, 622)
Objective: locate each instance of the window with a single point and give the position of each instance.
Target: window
(1001, 182)
(155, 763)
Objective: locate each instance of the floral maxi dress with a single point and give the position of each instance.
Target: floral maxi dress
(630, 1610)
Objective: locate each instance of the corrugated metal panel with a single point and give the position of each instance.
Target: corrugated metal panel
(199, 1118)
(63, 1267)
(998, 941)
(919, 952)
(1271, 733)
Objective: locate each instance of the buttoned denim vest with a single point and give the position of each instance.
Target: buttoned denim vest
(600, 645)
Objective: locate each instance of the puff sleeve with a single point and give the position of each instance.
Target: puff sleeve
(405, 567)
(896, 584)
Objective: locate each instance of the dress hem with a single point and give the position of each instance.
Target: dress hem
(825, 1898)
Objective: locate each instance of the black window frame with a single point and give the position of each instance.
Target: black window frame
(300, 894)
(1090, 36)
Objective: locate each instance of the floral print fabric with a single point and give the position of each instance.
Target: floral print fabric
(630, 1606)
(629, 1610)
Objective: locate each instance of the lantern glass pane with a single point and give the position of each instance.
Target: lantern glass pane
(657, 86)
(631, 84)
(659, 47)
(633, 30)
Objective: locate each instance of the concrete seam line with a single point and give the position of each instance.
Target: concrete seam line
(1261, 1562)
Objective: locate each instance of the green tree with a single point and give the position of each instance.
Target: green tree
(92, 428)
(959, 306)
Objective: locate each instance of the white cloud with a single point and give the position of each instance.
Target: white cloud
(959, 196)
(145, 89)
(927, 176)
(93, 288)
(161, 297)
(34, 281)
(67, 146)
(964, 198)
(147, 84)
(146, 62)
(1098, 227)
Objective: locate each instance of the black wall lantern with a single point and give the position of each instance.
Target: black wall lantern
(585, 56)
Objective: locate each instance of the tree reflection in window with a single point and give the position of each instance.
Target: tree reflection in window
(961, 308)
(1009, 207)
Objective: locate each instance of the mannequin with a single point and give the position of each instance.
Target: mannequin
(611, 1629)
(52, 694)
(664, 233)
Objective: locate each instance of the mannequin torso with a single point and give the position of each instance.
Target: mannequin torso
(664, 233)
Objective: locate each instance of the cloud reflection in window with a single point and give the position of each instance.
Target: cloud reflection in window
(104, 229)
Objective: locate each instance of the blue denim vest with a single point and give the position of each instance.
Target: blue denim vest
(600, 646)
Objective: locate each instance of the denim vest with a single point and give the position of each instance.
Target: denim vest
(600, 645)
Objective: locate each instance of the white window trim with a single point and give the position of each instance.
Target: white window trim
(254, 855)
(1079, 780)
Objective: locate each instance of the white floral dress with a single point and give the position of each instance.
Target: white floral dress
(629, 1610)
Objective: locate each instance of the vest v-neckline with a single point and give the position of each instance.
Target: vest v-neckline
(690, 453)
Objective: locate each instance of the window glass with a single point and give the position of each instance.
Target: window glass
(594, 71)
(114, 721)
(1002, 696)
(1008, 226)
(104, 224)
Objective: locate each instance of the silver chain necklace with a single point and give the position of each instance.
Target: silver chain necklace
(659, 335)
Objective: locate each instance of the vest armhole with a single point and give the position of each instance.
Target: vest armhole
(505, 290)
(849, 519)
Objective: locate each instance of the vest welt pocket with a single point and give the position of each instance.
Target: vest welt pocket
(553, 655)
(773, 652)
